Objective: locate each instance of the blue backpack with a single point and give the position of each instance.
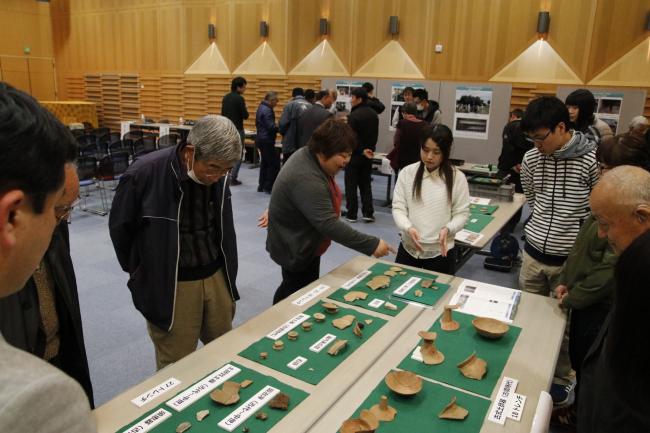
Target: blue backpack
(504, 246)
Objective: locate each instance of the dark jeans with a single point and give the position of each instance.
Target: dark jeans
(357, 175)
(584, 328)
(235, 169)
(293, 281)
(269, 166)
(443, 265)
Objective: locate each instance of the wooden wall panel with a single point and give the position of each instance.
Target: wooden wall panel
(41, 78)
(15, 72)
(25, 24)
(303, 29)
(171, 39)
(415, 31)
(197, 17)
(370, 29)
(246, 19)
(340, 14)
(278, 35)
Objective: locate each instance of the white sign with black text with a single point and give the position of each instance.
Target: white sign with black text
(283, 329)
(357, 279)
(155, 392)
(304, 299)
(199, 389)
(408, 285)
(322, 343)
(149, 422)
(246, 410)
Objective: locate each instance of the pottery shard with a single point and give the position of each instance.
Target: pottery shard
(246, 383)
(447, 323)
(202, 414)
(319, 317)
(337, 347)
(453, 411)
(390, 273)
(306, 326)
(261, 416)
(280, 401)
(264, 355)
(278, 345)
(368, 321)
(227, 395)
(366, 423)
(330, 307)
(473, 367)
(425, 284)
(343, 322)
(354, 295)
(383, 411)
(379, 282)
(395, 269)
(389, 306)
(183, 427)
(292, 335)
(358, 329)
(430, 355)
(418, 293)
(402, 273)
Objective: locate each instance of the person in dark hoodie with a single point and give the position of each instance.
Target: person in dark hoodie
(373, 102)
(557, 176)
(428, 109)
(365, 123)
(267, 129)
(582, 105)
(289, 122)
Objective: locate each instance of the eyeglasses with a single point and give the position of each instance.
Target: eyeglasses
(537, 139)
(62, 213)
(217, 171)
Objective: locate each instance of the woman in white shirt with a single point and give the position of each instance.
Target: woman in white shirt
(430, 204)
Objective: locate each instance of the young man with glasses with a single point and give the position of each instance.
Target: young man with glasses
(172, 229)
(557, 176)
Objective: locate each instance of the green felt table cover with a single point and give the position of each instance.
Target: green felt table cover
(419, 413)
(477, 222)
(429, 296)
(218, 412)
(459, 345)
(483, 209)
(321, 363)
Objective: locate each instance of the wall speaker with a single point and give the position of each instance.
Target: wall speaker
(323, 26)
(264, 29)
(212, 31)
(543, 22)
(393, 27)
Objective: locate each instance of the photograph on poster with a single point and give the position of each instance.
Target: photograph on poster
(343, 90)
(397, 98)
(472, 114)
(608, 108)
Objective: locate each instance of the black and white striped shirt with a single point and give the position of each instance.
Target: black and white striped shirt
(557, 188)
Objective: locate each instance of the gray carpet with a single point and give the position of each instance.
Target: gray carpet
(120, 352)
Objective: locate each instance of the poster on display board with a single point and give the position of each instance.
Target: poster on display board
(344, 94)
(608, 108)
(397, 98)
(472, 114)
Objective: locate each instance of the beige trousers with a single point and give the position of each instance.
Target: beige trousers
(204, 310)
(536, 277)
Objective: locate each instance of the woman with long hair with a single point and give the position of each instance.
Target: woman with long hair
(430, 204)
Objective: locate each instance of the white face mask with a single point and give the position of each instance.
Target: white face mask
(420, 107)
(191, 173)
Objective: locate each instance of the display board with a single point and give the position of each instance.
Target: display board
(616, 107)
(477, 113)
(307, 357)
(457, 346)
(376, 299)
(419, 413)
(483, 209)
(343, 87)
(478, 221)
(252, 400)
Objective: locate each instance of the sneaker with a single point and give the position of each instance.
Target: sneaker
(235, 182)
(565, 417)
(563, 395)
(350, 220)
(368, 219)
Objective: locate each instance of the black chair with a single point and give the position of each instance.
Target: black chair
(77, 132)
(87, 170)
(133, 135)
(87, 139)
(114, 136)
(168, 140)
(101, 133)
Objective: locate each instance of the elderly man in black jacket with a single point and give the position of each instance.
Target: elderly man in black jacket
(267, 130)
(365, 123)
(172, 229)
(315, 116)
(44, 318)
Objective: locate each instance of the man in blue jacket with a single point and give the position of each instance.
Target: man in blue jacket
(265, 141)
(172, 229)
(289, 122)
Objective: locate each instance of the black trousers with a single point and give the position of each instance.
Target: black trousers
(583, 330)
(269, 166)
(443, 265)
(293, 281)
(510, 226)
(357, 175)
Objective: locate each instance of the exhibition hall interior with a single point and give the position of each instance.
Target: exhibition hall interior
(324, 215)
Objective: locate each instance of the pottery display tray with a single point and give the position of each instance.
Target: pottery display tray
(419, 413)
(166, 418)
(457, 346)
(317, 362)
(377, 298)
(483, 209)
(477, 222)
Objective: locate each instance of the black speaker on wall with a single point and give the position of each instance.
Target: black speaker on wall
(393, 27)
(543, 22)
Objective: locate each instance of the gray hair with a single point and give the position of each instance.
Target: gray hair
(638, 121)
(215, 137)
(270, 95)
(629, 185)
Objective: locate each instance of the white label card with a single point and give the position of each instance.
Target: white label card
(155, 392)
(283, 329)
(479, 201)
(149, 422)
(515, 406)
(376, 303)
(417, 355)
(498, 413)
(304, 299)
(297, 363)
(164, 130)
(322, 343)
(198, 390)
(356, 280)
(246, 410)
(408, 285)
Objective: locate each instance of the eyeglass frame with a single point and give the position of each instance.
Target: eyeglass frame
(62, 213)
(537, 139)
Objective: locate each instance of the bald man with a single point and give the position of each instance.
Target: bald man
(620, 203)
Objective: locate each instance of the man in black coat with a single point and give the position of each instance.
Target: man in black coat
(267, 130)
(365, 123)
(44, 317)
(233, 106)
(373, 102)
(315, 116)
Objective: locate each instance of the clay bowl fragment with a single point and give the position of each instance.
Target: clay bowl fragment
(354, 295)
(447, 322)
(379, 282)
(337, 346)
(396, 269)
(227, 395)
(366, 423)
(383, 411)
(330, 307)
(430, 355)
(343, 322)
(490, 328)
(403, 382)
(453, 411)
(425, 284)
(473, 367)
